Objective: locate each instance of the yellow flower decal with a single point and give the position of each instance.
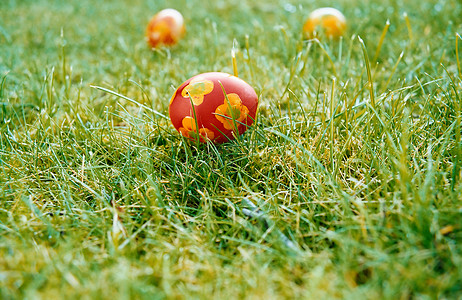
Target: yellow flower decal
(235, 110)
(197, 89)
(189, 130)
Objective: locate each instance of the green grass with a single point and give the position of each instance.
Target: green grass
(348, 186)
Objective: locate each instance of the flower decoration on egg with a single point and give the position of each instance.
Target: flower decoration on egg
(213, 107)
(197, 89)
(231, 111)
(326, 21)
(190, 131)
(165, 28)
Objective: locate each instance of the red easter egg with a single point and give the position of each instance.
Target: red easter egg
(223, 105)
(165, 28)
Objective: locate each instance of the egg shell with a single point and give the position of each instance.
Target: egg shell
(165, 28)
(326, 20)
(214, 110)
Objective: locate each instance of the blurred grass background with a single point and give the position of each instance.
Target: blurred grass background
(358, 188)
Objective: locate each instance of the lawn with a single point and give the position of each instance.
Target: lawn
(347, 186)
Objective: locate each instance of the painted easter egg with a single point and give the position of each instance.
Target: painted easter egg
(326, 21)
(213, 107)
(165, 28)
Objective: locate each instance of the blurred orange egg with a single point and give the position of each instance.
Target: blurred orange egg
(165, 28)
(326, 21)
(213, 107)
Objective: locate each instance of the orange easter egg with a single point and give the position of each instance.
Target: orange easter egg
(326, 21)
(165, 28)
(213, 107)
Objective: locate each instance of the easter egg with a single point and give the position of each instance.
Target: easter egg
(326, 21)
(165, 28)
(213, 107)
